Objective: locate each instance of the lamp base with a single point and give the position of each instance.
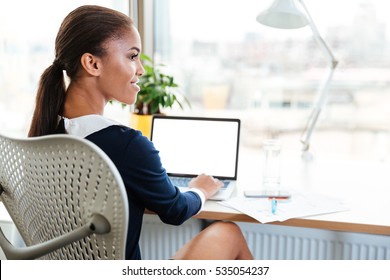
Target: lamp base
(307, 156)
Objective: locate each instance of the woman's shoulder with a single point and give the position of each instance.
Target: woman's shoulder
(120, 142)
(104, 131)
(118, 133)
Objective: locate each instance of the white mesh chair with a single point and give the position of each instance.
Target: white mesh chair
(66, 198)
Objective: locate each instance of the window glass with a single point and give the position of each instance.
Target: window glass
(229, 64)
(27, 34)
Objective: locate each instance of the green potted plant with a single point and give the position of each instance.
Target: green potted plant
(158, 91)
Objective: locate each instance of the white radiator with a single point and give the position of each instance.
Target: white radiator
(270, 242)
(293, 243)
(160, 241)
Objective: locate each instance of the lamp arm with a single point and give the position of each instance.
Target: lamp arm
(317, 37)
(323, 89)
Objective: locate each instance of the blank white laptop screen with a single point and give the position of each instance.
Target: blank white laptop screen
(191, 146)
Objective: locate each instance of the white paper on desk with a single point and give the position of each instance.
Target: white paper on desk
(300, 205)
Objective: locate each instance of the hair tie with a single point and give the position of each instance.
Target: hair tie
(57, 64)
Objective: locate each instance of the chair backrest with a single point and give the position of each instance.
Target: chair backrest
(53, 186)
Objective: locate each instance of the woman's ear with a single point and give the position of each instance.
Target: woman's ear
(91, 64)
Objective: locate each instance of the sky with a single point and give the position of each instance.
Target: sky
(233, 19)
(229, 19)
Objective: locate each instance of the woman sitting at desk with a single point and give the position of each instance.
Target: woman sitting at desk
(99, 49)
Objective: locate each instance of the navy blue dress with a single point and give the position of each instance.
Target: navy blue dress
(147, 184)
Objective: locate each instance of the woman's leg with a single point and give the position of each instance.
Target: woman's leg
(219, 241)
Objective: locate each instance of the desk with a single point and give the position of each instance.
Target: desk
(365, 186)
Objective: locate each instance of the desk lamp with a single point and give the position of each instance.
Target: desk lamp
(285, 14)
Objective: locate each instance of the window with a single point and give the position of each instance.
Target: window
(27, 34)
(228, 64)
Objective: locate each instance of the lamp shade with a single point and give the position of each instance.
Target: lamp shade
(283, 14)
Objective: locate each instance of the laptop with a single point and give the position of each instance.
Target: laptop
(190, 146)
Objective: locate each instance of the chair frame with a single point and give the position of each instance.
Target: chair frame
(66, 198)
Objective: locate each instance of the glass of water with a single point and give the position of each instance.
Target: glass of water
(272, 162)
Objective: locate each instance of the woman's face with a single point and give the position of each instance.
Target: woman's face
(121, 68)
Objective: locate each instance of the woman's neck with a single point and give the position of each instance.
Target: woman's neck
(81, 101)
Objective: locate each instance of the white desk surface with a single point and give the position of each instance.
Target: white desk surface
(365, 186)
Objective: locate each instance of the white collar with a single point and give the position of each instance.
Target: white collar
(86, 125)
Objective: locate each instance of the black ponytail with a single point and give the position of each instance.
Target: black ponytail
(49, 102)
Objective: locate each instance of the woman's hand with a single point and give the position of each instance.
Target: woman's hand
(207, 184)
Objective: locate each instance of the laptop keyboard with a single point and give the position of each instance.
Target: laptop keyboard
(183, 182)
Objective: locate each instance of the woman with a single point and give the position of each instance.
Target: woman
(99, 49)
